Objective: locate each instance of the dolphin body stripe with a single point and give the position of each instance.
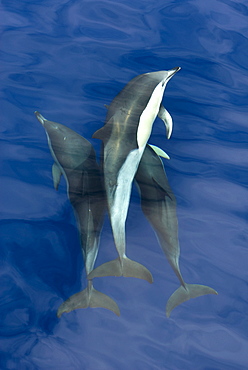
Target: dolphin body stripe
(127, 129)
(159, 206)
(75, 158)
(164, 115)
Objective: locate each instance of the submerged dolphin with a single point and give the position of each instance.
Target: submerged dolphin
(128, 127)
(159, 206)
(75, 158)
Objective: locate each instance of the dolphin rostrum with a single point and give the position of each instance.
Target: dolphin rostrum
(159, 206)
(128, 126)
(74, 157)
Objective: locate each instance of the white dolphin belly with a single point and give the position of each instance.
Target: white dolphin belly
(120, 204)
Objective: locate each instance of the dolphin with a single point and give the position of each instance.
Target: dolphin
(74, 157)
(159, 206)
(127, 129)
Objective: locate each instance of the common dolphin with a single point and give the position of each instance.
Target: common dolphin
(75, 158)
(128, 126)
(159, 206)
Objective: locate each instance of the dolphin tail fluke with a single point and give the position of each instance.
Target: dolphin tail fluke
(99, 299)
(88, 298)
(184, 294)
(136, 270)
(122, 267)
(111, 268)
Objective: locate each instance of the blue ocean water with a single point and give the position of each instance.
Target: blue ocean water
(67, 59)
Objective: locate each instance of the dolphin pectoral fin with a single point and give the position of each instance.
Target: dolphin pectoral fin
(159, 151)
(56, 172)
(122, 267)
(182, 295)
(88, 298)
(165, 116)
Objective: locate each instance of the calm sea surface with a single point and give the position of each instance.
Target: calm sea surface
(67, 59)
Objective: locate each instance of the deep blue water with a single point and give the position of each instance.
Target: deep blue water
(67, 59)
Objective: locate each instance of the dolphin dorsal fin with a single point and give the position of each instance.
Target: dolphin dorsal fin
(164, 187)
(98, 134)
(104, 132)
(159, 151)
(56, 172)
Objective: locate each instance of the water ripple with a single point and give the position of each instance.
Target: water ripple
(67, 59)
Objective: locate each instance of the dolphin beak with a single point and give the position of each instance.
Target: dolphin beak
(40, 118)
(172, 71)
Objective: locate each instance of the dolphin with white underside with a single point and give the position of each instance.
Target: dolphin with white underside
(74, 157)
(127, 129)
(159, 206)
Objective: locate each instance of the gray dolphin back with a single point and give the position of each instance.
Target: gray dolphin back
(159, 206)
(75, 158)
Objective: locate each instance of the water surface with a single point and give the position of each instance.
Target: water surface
(67, 59)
